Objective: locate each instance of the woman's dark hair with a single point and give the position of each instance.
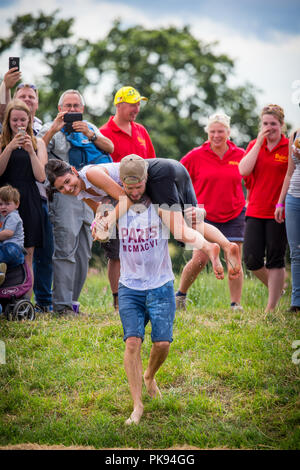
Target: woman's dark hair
(55, 168)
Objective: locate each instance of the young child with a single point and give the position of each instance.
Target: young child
(11, 230)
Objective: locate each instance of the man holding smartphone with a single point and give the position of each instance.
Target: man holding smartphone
(71, 217)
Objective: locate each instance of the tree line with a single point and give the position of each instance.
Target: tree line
(183, 77)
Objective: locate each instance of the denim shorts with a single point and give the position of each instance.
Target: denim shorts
(234, 229)
(137, 307)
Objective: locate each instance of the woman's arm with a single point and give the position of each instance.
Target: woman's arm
(248, 162)
(38, 158)
(4, 157)
(92, 204)
(286, 183)
(100, 178)
(16, 142)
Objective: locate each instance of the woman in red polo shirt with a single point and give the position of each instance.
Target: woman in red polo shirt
(264, 167)
(213, 169)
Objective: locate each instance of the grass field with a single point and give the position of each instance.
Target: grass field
(231, 379)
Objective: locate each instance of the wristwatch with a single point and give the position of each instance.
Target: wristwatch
(93, 138)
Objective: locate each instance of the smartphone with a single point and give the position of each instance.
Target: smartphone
(69, 118)
(21, 131)
(14, 62)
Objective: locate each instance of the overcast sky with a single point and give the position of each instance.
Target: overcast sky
(261, 36)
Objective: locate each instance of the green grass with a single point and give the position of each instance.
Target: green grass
(229, 380)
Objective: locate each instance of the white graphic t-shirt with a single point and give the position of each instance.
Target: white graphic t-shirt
(144, 252)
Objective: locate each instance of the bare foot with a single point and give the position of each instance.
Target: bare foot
(213, 252)
(232, 255)
(152, 387)
(135, 416)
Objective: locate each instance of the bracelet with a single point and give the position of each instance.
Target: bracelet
(279, 205)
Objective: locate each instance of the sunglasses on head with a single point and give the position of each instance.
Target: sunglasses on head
(22, 85)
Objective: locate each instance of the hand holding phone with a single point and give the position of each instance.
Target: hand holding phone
(21, 132)
(69, 118)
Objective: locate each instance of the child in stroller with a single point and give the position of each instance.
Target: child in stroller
(15, 277)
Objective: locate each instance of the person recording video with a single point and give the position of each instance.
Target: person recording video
(71, 218)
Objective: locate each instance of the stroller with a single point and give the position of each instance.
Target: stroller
(16, 306)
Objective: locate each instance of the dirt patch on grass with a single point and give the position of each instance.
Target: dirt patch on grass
(62, 447)
(44, 447)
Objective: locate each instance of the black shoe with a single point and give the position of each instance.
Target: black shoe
(66, 312)
(43, 308)
(294, 309)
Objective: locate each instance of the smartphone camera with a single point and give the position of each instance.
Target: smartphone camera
(69, 118)
(21, 131)
(14, 62)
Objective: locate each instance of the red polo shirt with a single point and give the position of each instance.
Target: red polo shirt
(139, 142)
(265, 181)
(217, 182)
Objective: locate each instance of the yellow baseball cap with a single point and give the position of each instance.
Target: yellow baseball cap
(128, 94)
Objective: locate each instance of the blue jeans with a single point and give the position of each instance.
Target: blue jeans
(11, 254)
(292, 213)
(42, 263)
(137, 307)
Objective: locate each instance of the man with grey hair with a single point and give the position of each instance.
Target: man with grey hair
(71, 218)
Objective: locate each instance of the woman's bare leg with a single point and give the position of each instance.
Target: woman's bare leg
(192, 269)
(236, 283)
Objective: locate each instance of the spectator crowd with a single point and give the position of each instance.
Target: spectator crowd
(67, 182)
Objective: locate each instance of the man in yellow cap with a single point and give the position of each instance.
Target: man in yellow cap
(128, 137)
